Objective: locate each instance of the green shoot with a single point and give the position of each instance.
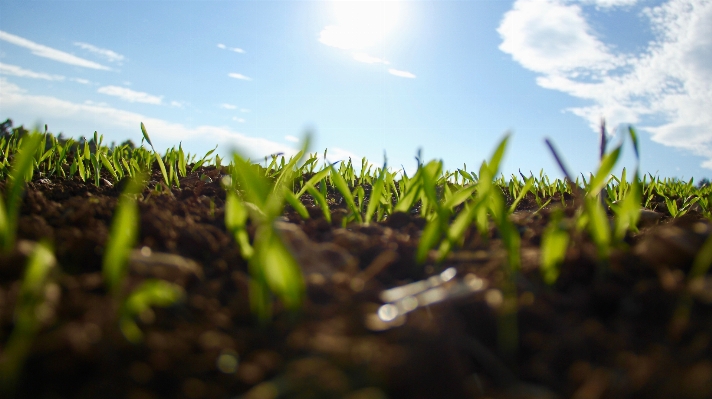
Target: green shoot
(158, 157)
(31, 299)
(149, 293)
(122, 237)
(21, 172)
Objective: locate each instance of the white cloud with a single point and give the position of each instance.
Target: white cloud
(670, 81)
(80, 80)
(235, 49)
(611, 3)
(238, 76)
(228, 106)
(239, 120)
(402, 74)
(111, 56)
(130, 95)
(48, 52)
(14, 100)
(363, 57)
(244, 110)
(14, 70)
(177, 104)
(291, 138)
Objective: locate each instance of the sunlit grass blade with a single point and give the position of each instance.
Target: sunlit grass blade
(320, 199)
(122, 237)
(108, 166)
(376, 193)
(157, 156)
(343, 188)
(554, 243)
(314, 180)
(296, 204)
(150, 293)
(281, 271)
(600, 179)
(20, 172)
(598, 226)
(26, 323)
(428, 239)
(522, 193)
(257, 189)
(236, 222)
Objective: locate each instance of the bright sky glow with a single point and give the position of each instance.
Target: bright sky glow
(447, 77)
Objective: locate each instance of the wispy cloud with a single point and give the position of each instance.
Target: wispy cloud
(235, 49)
(14, 100)
(80, 80)
(111, 56)
(291, 138)
(369, 59)
(228, 106)
(669, 81)
(244, 110)
(48, 52)
(177, 104)
(402, 74)
(130, 95)
(238, 76)
(238, 120)
(15, 70)
(610, 3)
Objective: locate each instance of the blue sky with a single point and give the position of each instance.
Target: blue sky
(450, 77)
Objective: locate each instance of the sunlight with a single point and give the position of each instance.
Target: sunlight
(361, 24)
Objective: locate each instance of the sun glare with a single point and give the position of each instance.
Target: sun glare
(360, 24)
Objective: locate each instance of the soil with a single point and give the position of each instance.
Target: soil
(605, 329)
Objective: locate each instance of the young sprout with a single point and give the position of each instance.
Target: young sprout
(151, 292)
(272, 267)
(122, 237)
(21, 172)
(30, 303)
(554, 243)
(158, 156)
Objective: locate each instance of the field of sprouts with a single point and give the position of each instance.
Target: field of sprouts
(130, 273)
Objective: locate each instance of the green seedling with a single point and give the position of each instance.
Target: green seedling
(122, 237)
(30, 305)
(149, 293)
(158, 156)
(21, 172)
(341, 185)
(377, 190)
(554, 243)
(272, 267)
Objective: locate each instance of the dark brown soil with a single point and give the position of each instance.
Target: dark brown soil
(604, 330)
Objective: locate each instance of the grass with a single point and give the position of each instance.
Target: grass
(449, 201)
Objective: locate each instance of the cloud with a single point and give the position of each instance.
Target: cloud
(130, 95)
(665, 90)
(244, 110)
(177, 104)
(402, 74)
(228, 106)
(111, 56)
(235, 49)
(239, 120)
(363, 57)
(48, 52)
(238, 76)
(611, 3)
(80, 80)
(292, 139)
(14, 99)
(15, 70)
